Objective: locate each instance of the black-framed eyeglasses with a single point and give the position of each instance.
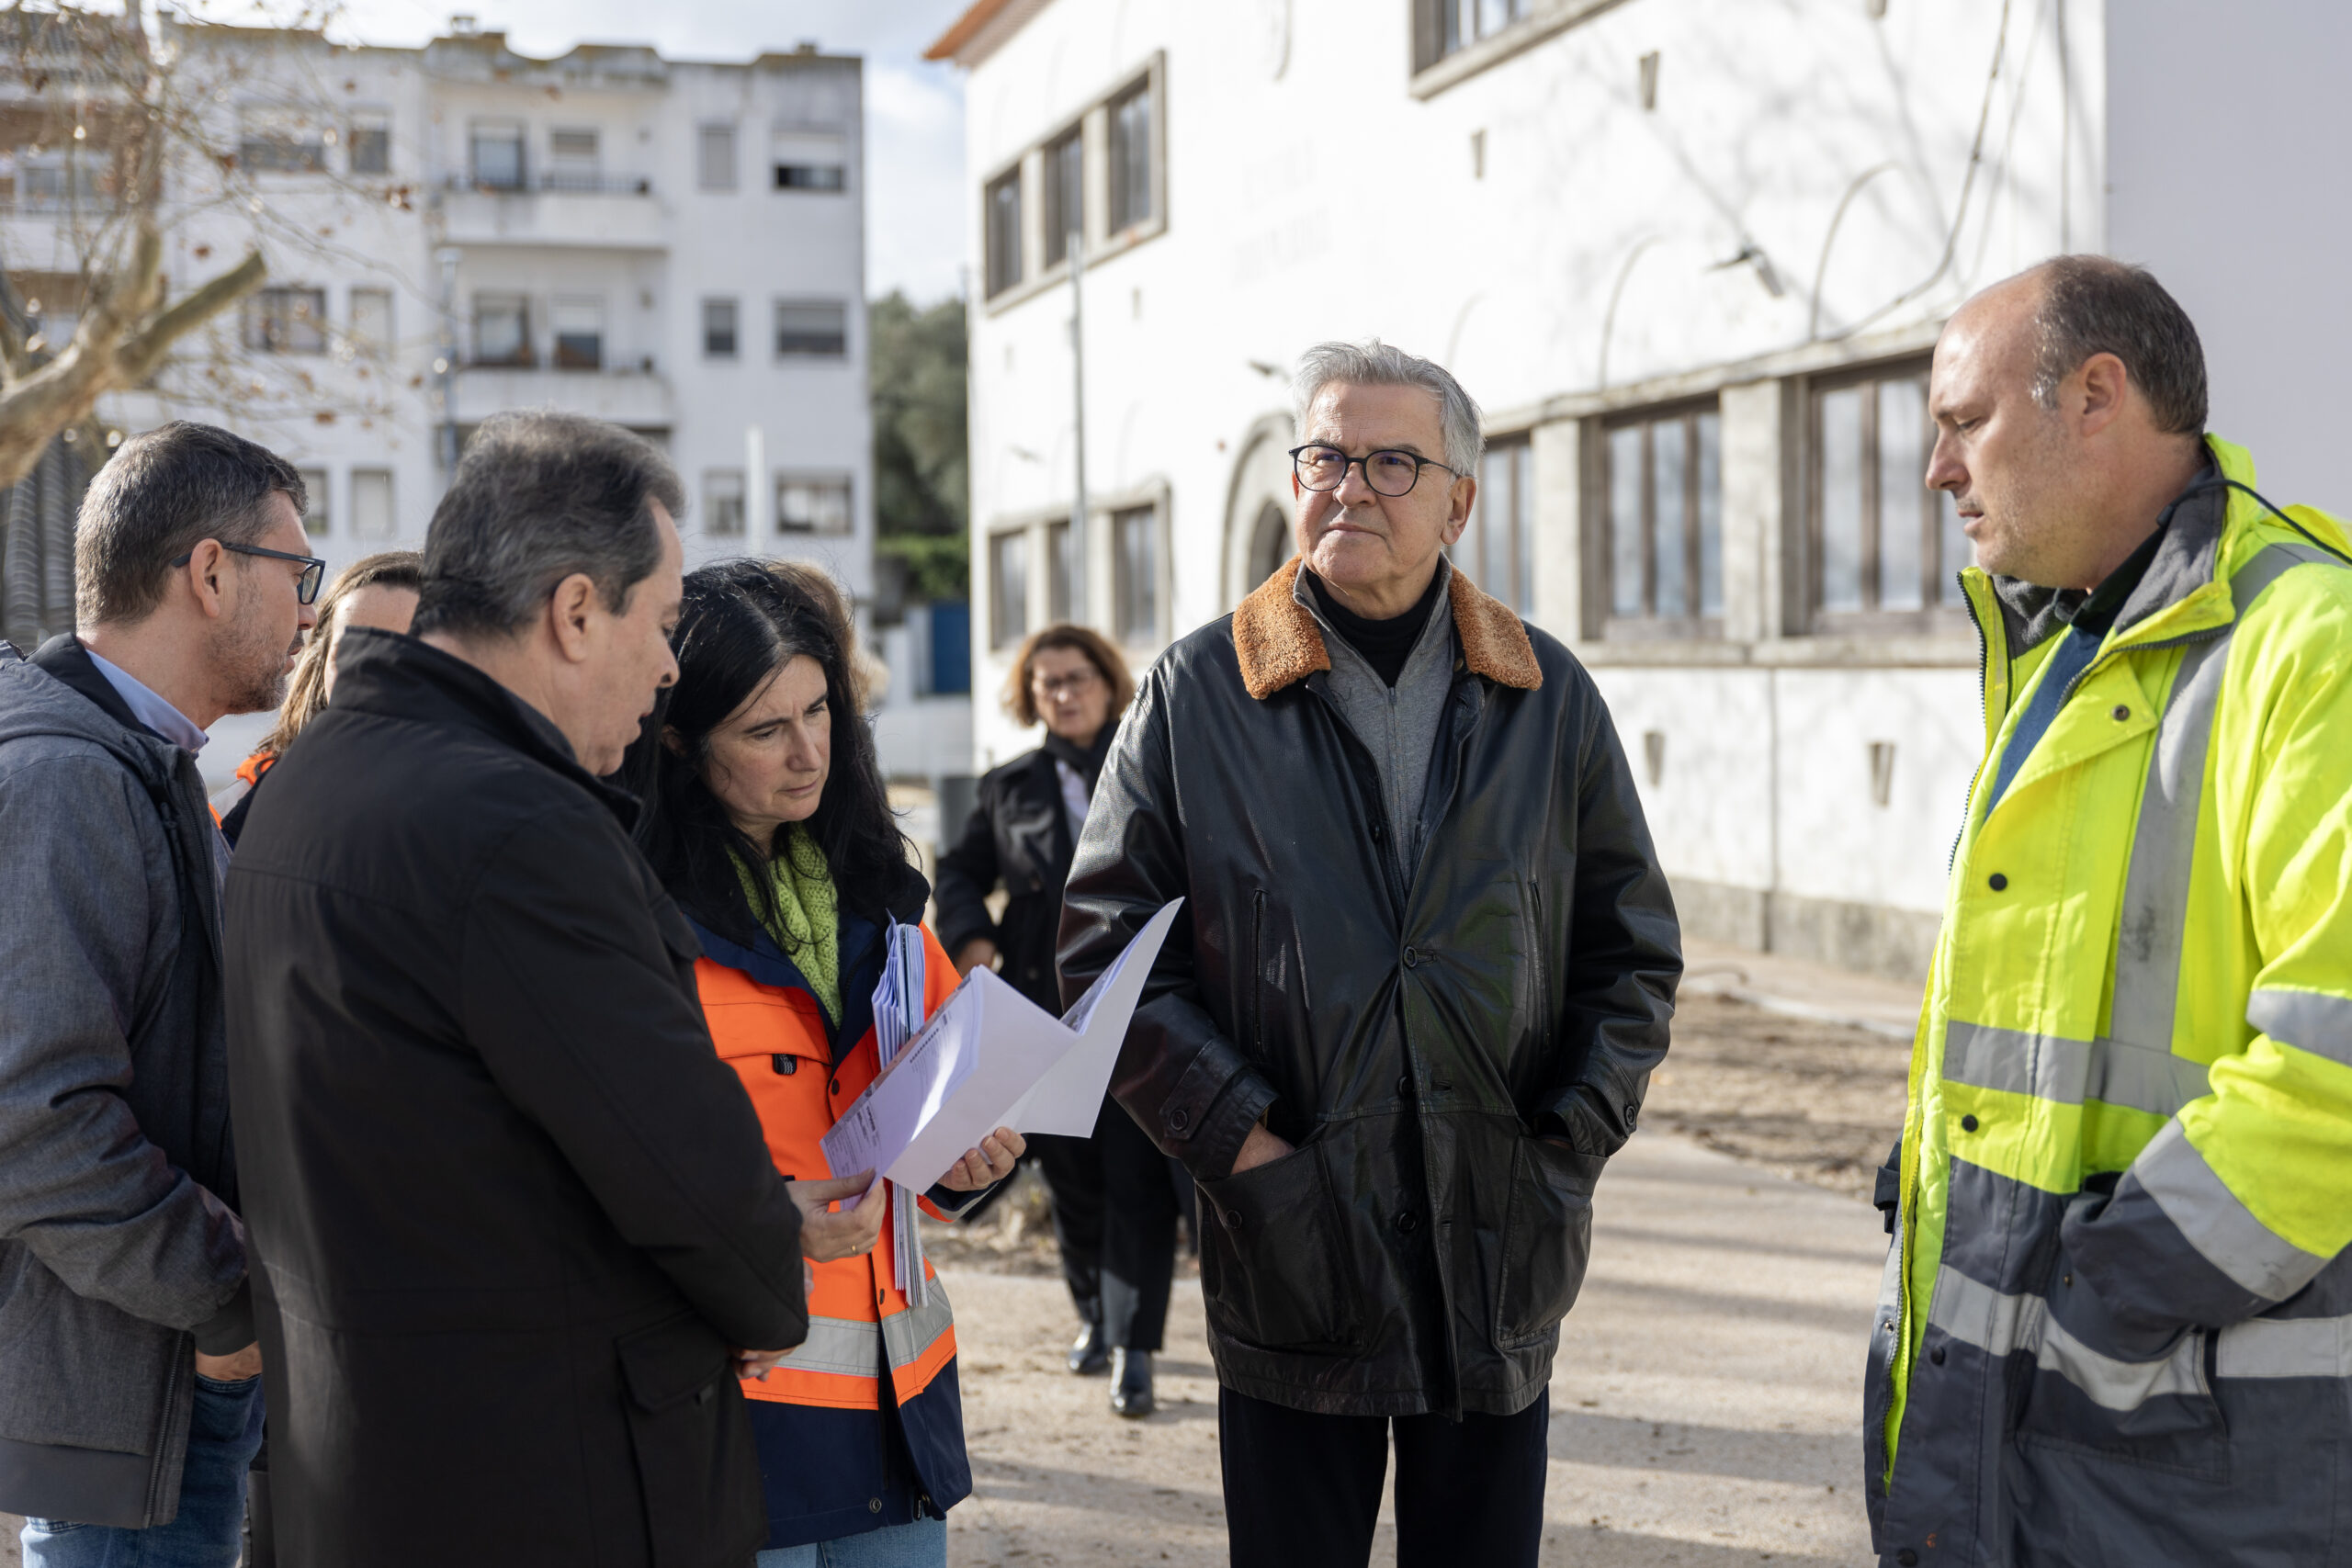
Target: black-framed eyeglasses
(1389, 471)
(306, 587)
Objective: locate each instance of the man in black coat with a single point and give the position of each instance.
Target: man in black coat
(516, 1221)
(1425, 968)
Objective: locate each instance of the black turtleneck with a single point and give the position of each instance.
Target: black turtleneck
(1386, 645)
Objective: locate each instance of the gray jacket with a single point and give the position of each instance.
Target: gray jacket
(120, 1251)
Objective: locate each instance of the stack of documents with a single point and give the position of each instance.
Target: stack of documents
(897, 1014)
(989, 1058)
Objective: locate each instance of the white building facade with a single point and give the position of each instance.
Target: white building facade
(675, 246)
(1690, 256)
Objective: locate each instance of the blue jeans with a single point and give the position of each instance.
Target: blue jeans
(923, 1544)
(209, 1529)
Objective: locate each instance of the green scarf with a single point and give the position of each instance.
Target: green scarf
(807, 922)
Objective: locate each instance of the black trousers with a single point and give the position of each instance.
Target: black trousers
(1303, 1491)
(1114, 1218)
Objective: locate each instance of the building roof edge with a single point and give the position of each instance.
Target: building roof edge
(982, 29)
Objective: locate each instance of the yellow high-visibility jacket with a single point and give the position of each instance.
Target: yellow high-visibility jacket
(2116, 1319)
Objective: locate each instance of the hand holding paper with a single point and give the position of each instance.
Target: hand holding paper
(989, 1058)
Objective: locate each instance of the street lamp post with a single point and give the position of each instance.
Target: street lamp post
(1077, 248)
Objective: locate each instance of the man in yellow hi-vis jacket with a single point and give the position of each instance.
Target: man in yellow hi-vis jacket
(2117, 1320)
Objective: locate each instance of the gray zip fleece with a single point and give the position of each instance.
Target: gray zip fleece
(117, 1258)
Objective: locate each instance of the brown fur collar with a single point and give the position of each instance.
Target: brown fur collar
(1279, 643)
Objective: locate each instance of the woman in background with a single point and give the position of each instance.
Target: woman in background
(1116, 1200)
(766, 820)
(377, 591)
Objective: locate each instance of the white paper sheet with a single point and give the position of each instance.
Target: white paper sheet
(987, 1058)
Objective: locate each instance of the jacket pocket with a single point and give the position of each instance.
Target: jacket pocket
(696, 1462)
(2099, 1388)
(1274, 1262)
(1548, 1239)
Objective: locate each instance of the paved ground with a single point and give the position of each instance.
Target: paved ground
(1705, 1404)
(1706, 1399)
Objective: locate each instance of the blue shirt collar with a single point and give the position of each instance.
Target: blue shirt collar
(150, 709)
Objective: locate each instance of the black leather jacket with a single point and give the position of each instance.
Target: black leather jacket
(1018, 834)
(1419, 1248)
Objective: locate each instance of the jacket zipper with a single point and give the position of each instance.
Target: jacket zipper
(1536, 946)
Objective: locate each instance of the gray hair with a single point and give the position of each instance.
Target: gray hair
(2094, 304)
(538, 497)
(1372, 363)
(162, 494)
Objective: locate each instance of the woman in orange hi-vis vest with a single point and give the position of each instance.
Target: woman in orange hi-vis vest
(766, 820)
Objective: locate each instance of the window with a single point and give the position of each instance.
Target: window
(1664, 511)
(1270, 543)
(809, 159)
(54, 182)
(371, 318)
(314, 487)
(715, 157)
(502, 330)
(1883, 542)
(1004, 231)
(574, 160)
(1134, 562)
(1065, 193)
(277, 141)
(722, 504)
(371, 504)
(1448, 26)
(812, 506)
(286, 320)
(1008, 589)
(370, 147)
(811, 328)
(577, 324)
(718, 329)
(1498, 547)
(1061, 572)
(1131, 138)
(497, 150)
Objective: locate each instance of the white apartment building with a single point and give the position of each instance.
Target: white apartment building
(1690, 255)
(677, 246)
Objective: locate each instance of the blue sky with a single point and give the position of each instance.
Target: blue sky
(914, 110)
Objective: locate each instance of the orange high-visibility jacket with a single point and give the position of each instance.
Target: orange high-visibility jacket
(768, 1026)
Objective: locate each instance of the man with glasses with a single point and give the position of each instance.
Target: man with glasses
(1425, 970)
(130, 1379)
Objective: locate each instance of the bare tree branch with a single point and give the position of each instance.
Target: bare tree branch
(106, 355)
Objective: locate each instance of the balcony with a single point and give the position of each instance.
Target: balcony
(608, 212)
(637, 399)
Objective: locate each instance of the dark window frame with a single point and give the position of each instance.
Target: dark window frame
(1006, 630)
(275, 324)
(1002, 224)
(1649, 626)
(1060, 153)
(1122, 212)
(524, 356)
(733, 331)
(1941, 611)
(809, 345)
(1133, 623)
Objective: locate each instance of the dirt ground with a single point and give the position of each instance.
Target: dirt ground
(1673, 1466)
(1819, 1102)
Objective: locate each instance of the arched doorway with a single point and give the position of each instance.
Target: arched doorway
(1269, 543)
(1257, 508)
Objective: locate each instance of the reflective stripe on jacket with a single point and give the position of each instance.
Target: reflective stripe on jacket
(2117, 1323)
(774, 1036)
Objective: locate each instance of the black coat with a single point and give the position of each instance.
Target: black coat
(1019, 835)
(510, 1207)
(1418, 1249)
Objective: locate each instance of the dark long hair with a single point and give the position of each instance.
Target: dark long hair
(741, 622)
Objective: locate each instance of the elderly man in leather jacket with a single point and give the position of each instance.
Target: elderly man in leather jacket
(1425, 971)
